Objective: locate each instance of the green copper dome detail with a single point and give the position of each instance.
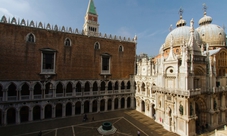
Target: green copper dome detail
(91, 8)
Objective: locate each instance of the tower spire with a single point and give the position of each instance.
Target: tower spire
(91, 8)
(91, 26)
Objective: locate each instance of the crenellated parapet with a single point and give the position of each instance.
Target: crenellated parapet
(63, 29)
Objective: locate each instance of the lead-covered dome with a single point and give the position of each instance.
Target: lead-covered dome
(180, 35)
(211, 34)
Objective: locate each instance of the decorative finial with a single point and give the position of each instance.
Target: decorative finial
(170, 28)
(181, 12)
(204, 8)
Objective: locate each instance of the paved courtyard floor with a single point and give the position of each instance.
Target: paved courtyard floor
(127, 123)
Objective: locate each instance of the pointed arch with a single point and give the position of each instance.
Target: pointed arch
(122, 85)
(128, 85)
(110, 85)
(78, 87)
(103, 86)
(30, 38)
(95, 86)
(87, 87)
(116, 86)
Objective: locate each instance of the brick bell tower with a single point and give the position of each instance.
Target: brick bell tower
(91, 26)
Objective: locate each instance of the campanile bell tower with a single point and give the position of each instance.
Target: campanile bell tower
(91, 26)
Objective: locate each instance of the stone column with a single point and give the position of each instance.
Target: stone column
(63, 110)
(90, 106)
(119, 103)
(5, 95)
(98, 105)
(90, 91)
(106, 104)
(31, 94)
(73, 109)
(42, 113)
(30, 118)
(18, 95)
(132, 102)
(17, 116)
(53, 112)
(126, 104)
(54, 93)
(82, 107)
(112, 105)
(98, 90)
(4, 120)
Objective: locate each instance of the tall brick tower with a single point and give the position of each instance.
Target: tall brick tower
(91, 26)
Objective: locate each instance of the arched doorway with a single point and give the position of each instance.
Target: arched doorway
(36, 112)
(24, 114)
(109, 104)
(143, 106)
(122, 103)
(78, 108)
(128, 102)
(86, 107)
(102, 105)
(116, 103)
(94, 106)
(58, 110)
(68, 109)
(48, 111)
(200, 111)
(11, 116)
(25, 91)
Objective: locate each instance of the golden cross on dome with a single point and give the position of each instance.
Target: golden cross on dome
(181, 12)
(204, 8)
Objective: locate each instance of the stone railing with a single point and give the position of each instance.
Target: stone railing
(191, 92)
(49, 27)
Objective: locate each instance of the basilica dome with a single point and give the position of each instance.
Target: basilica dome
(180, 35)
(212, 34)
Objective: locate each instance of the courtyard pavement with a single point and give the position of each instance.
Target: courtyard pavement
(127, 123)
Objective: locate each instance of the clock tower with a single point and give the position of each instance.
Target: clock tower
(91, 26)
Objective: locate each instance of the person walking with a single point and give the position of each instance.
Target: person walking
(138, 133)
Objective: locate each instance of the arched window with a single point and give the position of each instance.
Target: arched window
(97, 46)
(67, 42)
(121, 48)
(30, 38)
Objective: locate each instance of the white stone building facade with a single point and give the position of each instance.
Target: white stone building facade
(184, 87)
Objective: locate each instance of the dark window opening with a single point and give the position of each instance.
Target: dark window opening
(48, 60)
(105, 63)
(31, 38)
(67, 42)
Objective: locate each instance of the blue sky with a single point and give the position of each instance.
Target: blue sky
(148, 19)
